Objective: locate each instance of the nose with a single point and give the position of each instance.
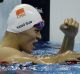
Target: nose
(39, 36)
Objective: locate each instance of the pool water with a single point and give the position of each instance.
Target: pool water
(44, 49)
(47, 48)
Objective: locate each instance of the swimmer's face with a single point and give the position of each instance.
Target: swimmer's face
(28, 38)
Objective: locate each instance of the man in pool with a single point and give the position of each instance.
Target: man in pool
(24, 25)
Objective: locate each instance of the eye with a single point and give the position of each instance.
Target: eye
(36, 30)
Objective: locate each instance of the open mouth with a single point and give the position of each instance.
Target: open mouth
(34, 44)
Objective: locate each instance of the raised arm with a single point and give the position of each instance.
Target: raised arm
(70, 30)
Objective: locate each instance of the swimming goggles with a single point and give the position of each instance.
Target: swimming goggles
(39, 25)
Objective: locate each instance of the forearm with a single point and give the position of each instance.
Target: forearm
(18, 59)
(60, 58)
(68, 44)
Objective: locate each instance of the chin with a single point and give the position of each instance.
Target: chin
(29, 50)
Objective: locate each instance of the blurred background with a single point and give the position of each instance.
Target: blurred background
(53, 12)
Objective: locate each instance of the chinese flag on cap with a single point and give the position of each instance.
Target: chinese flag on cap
(20, 12)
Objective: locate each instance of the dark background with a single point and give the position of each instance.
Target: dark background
(45, 5)
(1, 0)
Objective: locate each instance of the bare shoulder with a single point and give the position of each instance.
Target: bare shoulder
(12, 55)
(6, 52)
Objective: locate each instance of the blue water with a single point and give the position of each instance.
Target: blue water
(44, 49)
(47, 48)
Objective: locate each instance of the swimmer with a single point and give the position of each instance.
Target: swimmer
(23, 30)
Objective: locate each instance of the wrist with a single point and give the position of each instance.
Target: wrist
(70, 37)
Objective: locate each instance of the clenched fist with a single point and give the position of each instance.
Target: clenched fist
(70, 27)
